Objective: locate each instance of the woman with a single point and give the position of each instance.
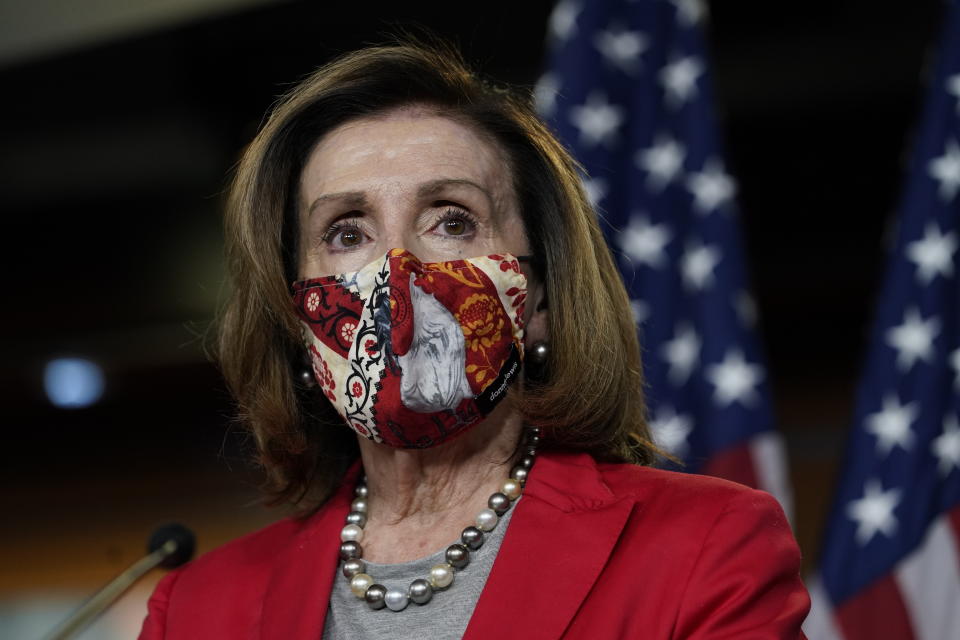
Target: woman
(453, 398)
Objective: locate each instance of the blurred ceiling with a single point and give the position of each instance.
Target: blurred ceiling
(31, 29)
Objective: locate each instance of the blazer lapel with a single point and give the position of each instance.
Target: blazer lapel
(298, 593)
(558, 543)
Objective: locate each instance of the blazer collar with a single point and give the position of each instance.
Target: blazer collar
(558, 543)
(298, 592)
(568, 482)
(559, 540)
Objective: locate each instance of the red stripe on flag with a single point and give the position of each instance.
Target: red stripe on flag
(953, 517)
(734, 464)
(876, 613)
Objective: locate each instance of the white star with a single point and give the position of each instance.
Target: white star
(891, 425)
(689, 12)
(946, 446)
(735, 379)
(955, 365)
(934, 254)
(953, 88)
(545, 94)
(596, 189)
(670, 431)
(874, 511)
(563, 20)
(682, 353)
(640, 310)
(662, 161)
(711, 187)
(679, 79)
(622, 48)
(913, 339)
(746, 308)
(645, 242)
(946, 170)
(597, 120)
(697, 265)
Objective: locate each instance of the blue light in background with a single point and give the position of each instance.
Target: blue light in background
(73, 383)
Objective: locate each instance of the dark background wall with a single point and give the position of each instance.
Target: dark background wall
(115, 150)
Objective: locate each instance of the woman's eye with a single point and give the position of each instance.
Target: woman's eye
(350, 237)
(344, 235)
(455, 227)
(456, 224)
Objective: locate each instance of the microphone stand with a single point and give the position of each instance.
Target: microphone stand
(174, 550)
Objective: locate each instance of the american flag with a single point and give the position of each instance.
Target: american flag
(890, 564)
(628, 91)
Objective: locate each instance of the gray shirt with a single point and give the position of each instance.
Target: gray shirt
(444, 617)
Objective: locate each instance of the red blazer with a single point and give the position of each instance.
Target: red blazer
(593, 551)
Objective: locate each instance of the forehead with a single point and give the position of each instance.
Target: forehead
(402, 149)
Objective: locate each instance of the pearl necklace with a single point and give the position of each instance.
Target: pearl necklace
(457, 555)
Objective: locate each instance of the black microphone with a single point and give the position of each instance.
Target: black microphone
(184, 543)
(169, 546)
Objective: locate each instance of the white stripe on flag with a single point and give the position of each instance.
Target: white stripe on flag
(929, 580)
(819, 624)
(770, 464)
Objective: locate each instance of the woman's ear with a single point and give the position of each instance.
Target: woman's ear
(537, 327)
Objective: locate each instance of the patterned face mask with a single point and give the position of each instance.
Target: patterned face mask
(412, 354)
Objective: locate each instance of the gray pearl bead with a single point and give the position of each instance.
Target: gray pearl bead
(420, 591)
(519, 474)
(357, 518)
(376, 596)
(306, 378)
(350, 550)
(472, 538)
(361, 491)
(353, 567)
(458, 556)
(532, 440)
(396, 599)
(499, 503)
(530, 451)
(359, 504)
(526, 462)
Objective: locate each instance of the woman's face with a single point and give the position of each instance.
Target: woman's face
(409, 179)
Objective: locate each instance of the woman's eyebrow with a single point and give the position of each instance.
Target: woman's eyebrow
(352, 199)
(434, 187)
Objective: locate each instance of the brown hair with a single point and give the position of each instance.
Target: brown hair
(592, 396)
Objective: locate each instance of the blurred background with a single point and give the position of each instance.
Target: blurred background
(120, 121)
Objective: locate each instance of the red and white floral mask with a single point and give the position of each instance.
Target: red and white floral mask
(412, 354)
